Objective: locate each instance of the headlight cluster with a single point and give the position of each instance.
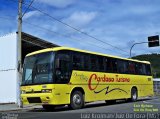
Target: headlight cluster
(23, 92)
(46, 90)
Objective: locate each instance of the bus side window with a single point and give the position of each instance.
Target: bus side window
(93, 61)
(111, 65)
(144, 69)
(122, 66)
(100, 63)
(108, 65)
(126, 67)
(77, 61)
(132, 68)
(114, 63)
(86, 63)
(139, 69)
(148, 69)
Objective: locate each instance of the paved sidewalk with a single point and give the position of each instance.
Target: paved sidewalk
(14, 107)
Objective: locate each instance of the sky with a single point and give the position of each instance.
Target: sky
(114, 25)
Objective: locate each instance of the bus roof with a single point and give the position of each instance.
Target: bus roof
(84, 51)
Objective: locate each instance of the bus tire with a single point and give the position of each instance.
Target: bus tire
(76, 100)
(48, 107)
(134, 94)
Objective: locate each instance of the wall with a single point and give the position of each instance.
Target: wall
(8, 70)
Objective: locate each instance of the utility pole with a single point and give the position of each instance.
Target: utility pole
(19, 48)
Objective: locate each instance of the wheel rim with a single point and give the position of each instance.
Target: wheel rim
(77, 99)
(134, 95)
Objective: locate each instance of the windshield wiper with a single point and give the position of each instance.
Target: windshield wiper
(28, 78)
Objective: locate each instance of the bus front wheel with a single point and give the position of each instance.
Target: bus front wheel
(77, 100)
(134, 94)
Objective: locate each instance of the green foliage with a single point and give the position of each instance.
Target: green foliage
(155, 62)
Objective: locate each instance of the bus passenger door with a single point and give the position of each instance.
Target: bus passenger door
(62, 76)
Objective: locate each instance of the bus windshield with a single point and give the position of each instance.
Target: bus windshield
(38, 69)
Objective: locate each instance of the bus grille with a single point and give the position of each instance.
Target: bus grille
(34, 100)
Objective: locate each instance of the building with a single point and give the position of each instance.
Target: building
(9, 62)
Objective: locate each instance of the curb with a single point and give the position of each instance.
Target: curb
(19, 109)
(7, 103)
(29, 107)
(16, 109)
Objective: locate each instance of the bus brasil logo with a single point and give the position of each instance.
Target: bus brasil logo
(94, 79)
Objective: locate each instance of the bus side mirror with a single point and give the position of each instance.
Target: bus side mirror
(19, 66)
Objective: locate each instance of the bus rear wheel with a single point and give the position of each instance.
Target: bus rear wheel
(76, 100)
(134, 94)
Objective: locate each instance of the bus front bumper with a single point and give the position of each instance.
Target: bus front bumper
(39, 98)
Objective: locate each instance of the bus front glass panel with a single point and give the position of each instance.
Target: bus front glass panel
(38, 69)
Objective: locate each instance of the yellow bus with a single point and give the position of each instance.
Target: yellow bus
(68, 76)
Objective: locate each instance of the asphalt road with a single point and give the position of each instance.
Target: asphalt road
(142, 109)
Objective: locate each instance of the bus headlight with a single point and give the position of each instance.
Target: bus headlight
(46, 90)
(23, 92)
